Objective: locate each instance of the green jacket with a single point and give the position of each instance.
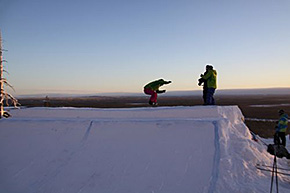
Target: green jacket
(156, 84)
(210, 78)
(282, 123)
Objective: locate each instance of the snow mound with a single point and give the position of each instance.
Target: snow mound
(164, 150)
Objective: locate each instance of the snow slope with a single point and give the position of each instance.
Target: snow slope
(154, 150)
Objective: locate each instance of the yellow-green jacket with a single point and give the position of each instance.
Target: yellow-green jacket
(210, 78)
(282, 123)
(156, 84)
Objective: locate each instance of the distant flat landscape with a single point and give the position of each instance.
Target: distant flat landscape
(260, 109)
(262, 91)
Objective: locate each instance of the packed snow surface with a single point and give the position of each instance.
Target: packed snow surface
(138, 150)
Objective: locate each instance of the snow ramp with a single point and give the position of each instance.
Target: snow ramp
(138, 150)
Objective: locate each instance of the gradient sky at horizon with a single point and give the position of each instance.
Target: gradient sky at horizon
(95, 46)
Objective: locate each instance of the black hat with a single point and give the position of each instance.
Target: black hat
(209, 67)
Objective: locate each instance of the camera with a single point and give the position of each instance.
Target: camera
(200, 81)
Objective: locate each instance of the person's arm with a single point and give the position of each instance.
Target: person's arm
(167, 82)
(163, 91)
(207, 75)
(160, 91)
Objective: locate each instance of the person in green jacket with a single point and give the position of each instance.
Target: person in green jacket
(211, 81)
(152, 89)
(281, 128)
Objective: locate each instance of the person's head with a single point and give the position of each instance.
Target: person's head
(281, 112)
(209, 67)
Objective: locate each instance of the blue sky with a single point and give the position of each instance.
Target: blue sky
(95, 46)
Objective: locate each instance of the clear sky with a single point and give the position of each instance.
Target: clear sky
(96, 46)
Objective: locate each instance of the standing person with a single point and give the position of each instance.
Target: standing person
(211, 78)
(152, 89)
(203, 82)
(281, 128)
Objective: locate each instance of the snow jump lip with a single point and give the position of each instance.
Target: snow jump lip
(166, 149)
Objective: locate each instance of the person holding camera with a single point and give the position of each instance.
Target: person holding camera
(152, 89)
(209, 79)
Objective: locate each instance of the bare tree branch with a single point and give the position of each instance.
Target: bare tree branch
(4, 80)
(5, 96)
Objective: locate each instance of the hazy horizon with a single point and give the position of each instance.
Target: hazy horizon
(255, 91)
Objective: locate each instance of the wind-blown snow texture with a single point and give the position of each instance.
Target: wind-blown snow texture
(140, 150)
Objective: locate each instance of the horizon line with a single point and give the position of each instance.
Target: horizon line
(246, 91)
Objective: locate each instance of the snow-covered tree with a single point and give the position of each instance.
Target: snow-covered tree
(5, 97)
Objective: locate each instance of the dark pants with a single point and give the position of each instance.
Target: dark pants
(204, 95)
(278, 136)
(209, 96)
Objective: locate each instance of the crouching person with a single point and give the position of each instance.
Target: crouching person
(152, 89)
